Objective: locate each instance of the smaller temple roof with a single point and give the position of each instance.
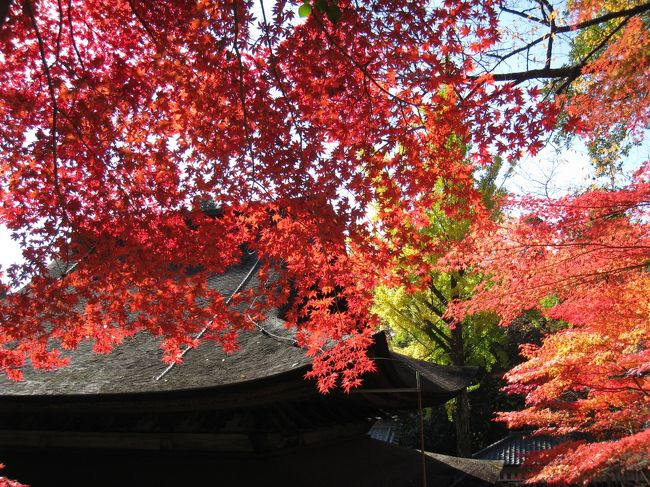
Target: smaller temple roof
(514, 448)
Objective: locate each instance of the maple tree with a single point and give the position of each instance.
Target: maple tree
(585, 258)
(120, 120)
(5, 482)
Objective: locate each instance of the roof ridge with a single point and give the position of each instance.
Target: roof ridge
(241, 285)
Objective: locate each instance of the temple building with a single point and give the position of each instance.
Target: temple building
(249, 418)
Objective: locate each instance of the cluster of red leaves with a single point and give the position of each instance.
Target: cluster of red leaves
(592, 379)
(580, 462)
(592, 238)
(5, 482)
(119, 120)
(588, 257)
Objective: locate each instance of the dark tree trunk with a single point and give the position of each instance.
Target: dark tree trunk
(461, 421)
(461, 408)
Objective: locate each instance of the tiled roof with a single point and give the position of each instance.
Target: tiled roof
(135, 364)
(514, 448)
(384, 430)
(264, 353)
(485, 470)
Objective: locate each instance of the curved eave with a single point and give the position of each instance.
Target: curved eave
(395, 375)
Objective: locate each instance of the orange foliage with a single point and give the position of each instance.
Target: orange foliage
(622, 74)
(587, 257)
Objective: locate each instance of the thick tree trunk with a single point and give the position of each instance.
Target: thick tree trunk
(461, 421)
(461, 409)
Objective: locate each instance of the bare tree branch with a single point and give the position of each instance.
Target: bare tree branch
(639, 9)
(546, 73)
(524, 15)
(570, 72)
(439, 295)
(552, 31)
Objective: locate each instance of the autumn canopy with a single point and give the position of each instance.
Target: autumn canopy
(147, 144)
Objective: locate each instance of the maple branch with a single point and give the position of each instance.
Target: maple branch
(553, 29)
(160, 45)
(72, 38)
(144, 23)
(603, 388)
(616, 208)
(594, 51)
(359, 66)
(273, 63)
(639, 9)
(242, 91)
(586, 277)
(274, 71)
(527, 47)
(553, 267)
(567, 71)
(57, 51)
(546, 73)
(524, 15)
(55, 109)
(639, 385)
(583, 244)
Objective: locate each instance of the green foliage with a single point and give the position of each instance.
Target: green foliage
(549, 301)
(490, 192)
(418, 320)
(330, 9)
(304, 10)
(419, 331)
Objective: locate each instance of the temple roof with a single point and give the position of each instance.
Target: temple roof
(267, 357)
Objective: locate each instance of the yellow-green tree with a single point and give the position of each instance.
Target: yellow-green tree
(421, 321)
